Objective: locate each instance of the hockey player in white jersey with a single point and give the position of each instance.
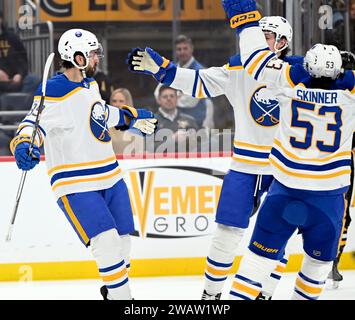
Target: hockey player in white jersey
(256, 112)
(84, 173)
(310, 159)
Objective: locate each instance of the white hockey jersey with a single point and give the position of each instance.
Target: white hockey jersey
(312, 148)
(256, 110)
(74, 125)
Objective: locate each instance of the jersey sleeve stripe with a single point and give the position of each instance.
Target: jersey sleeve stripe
(33, 123)
(234, 68)
(60, 98)
(288, 76)
(200, 91)
(195, 84)
(256, 62)
(271, 56)
(205, 88)
(353, 90)
(253, 56)
(30, 131)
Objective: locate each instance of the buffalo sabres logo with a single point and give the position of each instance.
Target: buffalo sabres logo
(264, 108)
(98, 122)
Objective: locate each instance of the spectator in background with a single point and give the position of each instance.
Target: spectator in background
(104, 84)
(336, 35)
(125, 142)
(200, 109)
(171, 117)
(121, 97)
(13, 60)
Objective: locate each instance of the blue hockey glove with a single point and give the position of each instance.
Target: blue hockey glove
(21, 150)
(242, 13)
(147, 61)
(140, 119)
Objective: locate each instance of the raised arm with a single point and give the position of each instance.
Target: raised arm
(204, 83)
(257, 59)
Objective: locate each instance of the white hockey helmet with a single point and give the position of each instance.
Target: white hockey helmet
(278, 25)
(80, 41)
(323, 61)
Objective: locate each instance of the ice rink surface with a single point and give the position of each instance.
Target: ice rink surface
(160, 288)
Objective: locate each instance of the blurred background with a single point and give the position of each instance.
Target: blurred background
(193, 33)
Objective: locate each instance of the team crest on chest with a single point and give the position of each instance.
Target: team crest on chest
(98, 122)
(264, 108)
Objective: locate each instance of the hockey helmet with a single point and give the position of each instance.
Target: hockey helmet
(323, 61)
(278, 25)
(78, 41)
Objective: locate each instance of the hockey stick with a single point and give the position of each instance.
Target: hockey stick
(36, 125)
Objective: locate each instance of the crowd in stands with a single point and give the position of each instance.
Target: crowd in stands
(17, 85)
(182, 117)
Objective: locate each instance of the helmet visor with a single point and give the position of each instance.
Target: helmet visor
(99, 52)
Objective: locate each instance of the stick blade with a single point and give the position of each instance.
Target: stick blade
(9, 233)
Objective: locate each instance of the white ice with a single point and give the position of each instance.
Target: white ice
(158, 288)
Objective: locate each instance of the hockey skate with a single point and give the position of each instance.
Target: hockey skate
(262, 297)
(206, 296)
(335, 276)
(104, 292)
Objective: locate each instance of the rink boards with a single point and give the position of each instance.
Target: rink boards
(174, 202)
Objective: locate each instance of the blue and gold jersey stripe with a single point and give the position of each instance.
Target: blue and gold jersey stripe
(82, 164)
(84, 179)
(321, 176)
(253, 55)
(234, 67)
(83, 172)
(66, 96)
(325, 159)
(310, 167)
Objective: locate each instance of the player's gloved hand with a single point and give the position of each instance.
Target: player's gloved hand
(140, 119)
(348, 60)
(24, 160)
(242, 13)
(148, 61)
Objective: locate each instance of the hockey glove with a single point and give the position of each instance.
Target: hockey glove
(140, 119)
(147, 61)
(242, 13)
(20, 147)
(348, 60)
